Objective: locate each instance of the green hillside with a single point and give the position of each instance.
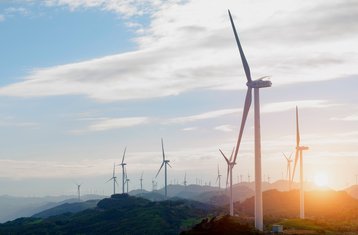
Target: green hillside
(120, 214)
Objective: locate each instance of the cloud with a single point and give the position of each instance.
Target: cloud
(105, 124)
(224, 128)
(204, 116)
(2, 18)
(353, 117)
(289, 105)
(189, 129)
(122, 7)
(186, 48)
(115, 123)
(11, 122)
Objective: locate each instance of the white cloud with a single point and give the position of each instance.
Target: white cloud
(224, 128)
(186, 48)
(115, 123)
(353, 117)
(11, 122)
(289, 105)
(189, 129)
(203, 116)
(2, 18)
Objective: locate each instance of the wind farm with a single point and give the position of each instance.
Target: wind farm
(87, 94)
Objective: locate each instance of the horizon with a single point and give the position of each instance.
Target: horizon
(82, 80)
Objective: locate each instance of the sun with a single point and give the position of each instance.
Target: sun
(321, 179)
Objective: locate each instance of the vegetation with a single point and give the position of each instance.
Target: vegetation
(120, 214)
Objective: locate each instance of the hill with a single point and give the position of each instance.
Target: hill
(67, 208)
(15, 207)
(120, 214)
(317, 204)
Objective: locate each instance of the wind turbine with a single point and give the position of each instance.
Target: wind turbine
(288, 173)
(114, 178)
(298, 155)
(79, 191)
(123, 164)
(256, 85)
(141, 182)
(127, 182)
(219, 178)
(185, 180)
(230, 166)
(164, 163)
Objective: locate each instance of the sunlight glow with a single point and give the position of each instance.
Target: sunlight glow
(321, 179)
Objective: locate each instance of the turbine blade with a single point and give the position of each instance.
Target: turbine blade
(227, 160)
(109, 180)
(294, 167)
(297, 129)
(232, 153)
(163, 150)
(243, 58)
(285, 156)
(243, 121)
(124, 154)
(169, 165)
(290, 155)
(159, 169)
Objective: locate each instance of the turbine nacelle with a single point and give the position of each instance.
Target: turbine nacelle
(302, 148)
(259, 83)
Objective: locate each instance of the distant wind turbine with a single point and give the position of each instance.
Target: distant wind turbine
(298, 155)
(123, 164)
(185, 180)
(256, 85)
(79, 191)
(230, 165)
(114, 178)
(288, 173)
(141, 182)
(127, 182)
(164, 163)
(218, 179)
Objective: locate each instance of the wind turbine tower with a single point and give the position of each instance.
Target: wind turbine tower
(230, 165)
(218, 179)
(185, 182)
(288, 173)
(141, 182)
(299, 150)
(256, 85)
(79, 191)
(164, 163)
(123, 164)
(114, 178)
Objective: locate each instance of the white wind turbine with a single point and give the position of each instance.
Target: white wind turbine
(298, 155)
(127, 182)
(79, 191)
(288, 172)
(123, 164)
(230, 165)
(256, 85)
(114, 178)
(185, 182)
(164, 163)
(141, 182)
(218, 179)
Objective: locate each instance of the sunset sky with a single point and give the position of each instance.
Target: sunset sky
(82, 79)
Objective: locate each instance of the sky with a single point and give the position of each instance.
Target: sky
(80, 80)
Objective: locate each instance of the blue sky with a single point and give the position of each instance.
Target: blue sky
(80, 80)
